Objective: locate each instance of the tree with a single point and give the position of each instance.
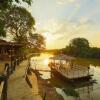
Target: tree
(95, 52)
(79, 42)
(18, 22)
(7, 3)
(2, 30)
(78, 47)
(37, 41)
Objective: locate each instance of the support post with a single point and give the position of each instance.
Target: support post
(5, 87)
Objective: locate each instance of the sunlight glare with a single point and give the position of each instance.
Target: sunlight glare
(48, 37)
(46, 61)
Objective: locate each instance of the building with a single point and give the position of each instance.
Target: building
(9, 49)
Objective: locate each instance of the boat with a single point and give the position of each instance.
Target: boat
(63, 66)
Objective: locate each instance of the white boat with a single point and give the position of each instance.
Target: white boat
(64, 67)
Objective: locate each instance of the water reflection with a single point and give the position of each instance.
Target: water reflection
(41, 62)
(88, 62)
(46, 61)
(87, 90)
(62, 93)
(45, 75)
(73, 91)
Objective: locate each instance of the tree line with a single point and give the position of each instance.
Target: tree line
(80, 47)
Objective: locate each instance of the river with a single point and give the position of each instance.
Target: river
(90, 91)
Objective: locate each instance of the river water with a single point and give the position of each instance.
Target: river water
(80, 91)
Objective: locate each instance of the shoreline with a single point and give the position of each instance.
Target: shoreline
(46, 89)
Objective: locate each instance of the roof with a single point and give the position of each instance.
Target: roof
(2, 41)
(5, 43)
(62, 57)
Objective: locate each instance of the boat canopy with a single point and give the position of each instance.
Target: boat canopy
(62, 57)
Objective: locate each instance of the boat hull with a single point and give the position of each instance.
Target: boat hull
(64, 78)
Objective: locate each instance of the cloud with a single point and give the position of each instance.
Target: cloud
(60, 2)
(74, 4)
(63, 2)
(98, 0)
(62, 30)
(71, 1)
(51, 25)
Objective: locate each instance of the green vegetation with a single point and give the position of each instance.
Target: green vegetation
(79, 47)
(37, 42)
(4, 4)
(19, 27)
(2, 30)
(14, 19)
(17, 23)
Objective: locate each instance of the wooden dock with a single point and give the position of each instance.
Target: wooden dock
(18, 88)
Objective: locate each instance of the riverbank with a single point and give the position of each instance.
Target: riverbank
(18, 89)
(46, 89)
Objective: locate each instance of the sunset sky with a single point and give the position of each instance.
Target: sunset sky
(61, 20)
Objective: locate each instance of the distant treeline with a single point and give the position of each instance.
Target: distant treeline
(51, 51)
(79, 47)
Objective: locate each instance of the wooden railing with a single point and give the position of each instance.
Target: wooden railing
(4, 83)
(8, 70)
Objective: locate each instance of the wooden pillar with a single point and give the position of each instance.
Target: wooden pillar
(44, 97)
(7, 69)
(5, 87)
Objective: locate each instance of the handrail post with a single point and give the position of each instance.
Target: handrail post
(44, 97)
(4, 82)
(7, 70)
(14, 65)
(5, 87)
